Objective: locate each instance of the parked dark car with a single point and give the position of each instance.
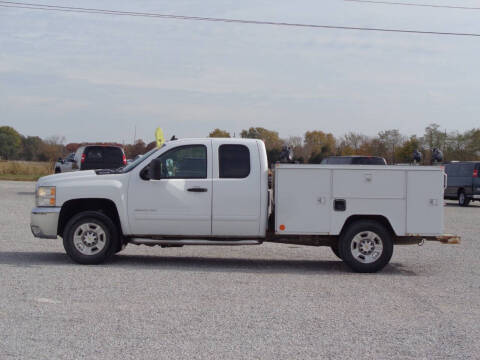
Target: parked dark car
(92, 157)
(354, 160)
(463, 182)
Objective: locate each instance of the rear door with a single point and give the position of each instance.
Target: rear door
(236, 189)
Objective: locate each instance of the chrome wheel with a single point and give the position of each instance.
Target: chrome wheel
(89, 238)
(461, 198)
(366, 247)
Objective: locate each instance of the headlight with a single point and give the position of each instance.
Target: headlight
(46, 196)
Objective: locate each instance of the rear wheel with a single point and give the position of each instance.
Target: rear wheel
(90, 237)
(57, 170)
(366, 246)
(462, 199)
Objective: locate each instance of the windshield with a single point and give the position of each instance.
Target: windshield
(137, 161)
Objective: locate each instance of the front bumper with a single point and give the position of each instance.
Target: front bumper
(44, 222)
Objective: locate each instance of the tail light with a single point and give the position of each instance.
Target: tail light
(475, 173)
(124, 160)
(83, 158)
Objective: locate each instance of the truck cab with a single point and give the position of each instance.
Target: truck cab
(207, 187)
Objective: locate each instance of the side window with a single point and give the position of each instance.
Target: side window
(185, 162)
(234, 161)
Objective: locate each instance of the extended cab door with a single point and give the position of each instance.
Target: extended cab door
(181, 202)
(236, 189)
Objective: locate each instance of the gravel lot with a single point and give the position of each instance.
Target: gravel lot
(265, 302)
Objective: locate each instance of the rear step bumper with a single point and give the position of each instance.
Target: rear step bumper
(446, 239)
(419, 239)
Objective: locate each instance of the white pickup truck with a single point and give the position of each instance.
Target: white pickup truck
(215, 192)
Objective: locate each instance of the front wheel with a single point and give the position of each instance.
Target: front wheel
(90, 237)
(366, 246)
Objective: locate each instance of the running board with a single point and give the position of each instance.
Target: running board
(141, 241)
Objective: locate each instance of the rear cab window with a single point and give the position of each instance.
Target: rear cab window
(234, 161)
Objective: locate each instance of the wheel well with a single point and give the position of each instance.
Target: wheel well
(460, 190)
(73, 207)
(379, 218)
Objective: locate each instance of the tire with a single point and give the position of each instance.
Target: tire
(90, 237)
(57, 171)
(120, 247)
(366, 246)
(463, 200)
(336, 250)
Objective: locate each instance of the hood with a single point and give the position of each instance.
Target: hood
(55, 178)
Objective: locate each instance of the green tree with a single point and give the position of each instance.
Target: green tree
(473, 146)
(434, 138)
(272, 141)
(318, 145)
(139, 148)
(10, 142)
(31, 148)
(404, 153)
(270, 138)
(52, 148)
(353, 141)
(217, 133)
(392, 140)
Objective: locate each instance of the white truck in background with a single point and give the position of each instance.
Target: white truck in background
(215, 192)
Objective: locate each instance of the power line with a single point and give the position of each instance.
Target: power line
(415, 4)
(30, 6)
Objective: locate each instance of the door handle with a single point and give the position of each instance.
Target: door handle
(197, 189)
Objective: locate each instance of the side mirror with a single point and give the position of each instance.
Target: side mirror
(156, 169)
(60, 160)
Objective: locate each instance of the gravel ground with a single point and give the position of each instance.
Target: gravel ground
(255, 302)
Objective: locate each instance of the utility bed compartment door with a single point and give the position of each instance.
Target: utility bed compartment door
(302, 201)
(369, 184)
(425, 202)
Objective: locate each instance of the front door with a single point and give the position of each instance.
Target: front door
(181, 202)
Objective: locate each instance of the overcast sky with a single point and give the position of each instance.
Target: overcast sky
(94, 77)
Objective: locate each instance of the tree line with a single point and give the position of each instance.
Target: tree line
(390, 144)
(311, 148)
